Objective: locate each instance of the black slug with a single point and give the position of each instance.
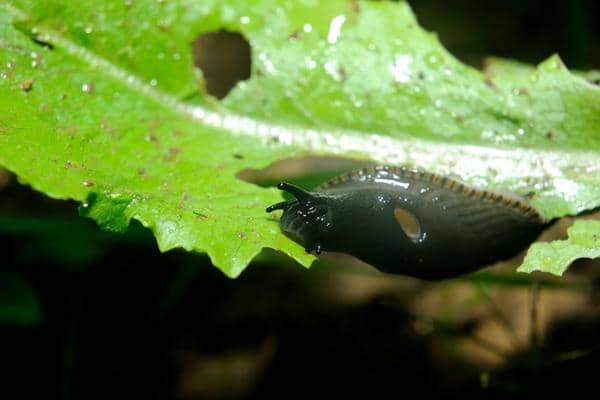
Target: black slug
(401, 220)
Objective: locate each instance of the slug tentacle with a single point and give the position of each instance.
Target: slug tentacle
(296, 191)
(282, 205)
(302, 196)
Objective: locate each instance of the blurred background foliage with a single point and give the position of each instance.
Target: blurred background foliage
(90, 314)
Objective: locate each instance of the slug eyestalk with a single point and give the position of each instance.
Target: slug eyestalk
(302, 196)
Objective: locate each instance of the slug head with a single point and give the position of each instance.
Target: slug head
(306, 219)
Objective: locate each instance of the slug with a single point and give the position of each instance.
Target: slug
(405, 221)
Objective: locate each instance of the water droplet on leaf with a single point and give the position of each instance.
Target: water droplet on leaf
(87, 87)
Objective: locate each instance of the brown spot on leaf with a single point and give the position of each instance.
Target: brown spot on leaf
(150, 137)
(71, 129)
(200, 216)
(27, 85)
(106, 126)
(163, 26)
(172, 153)
(89, 183)
(238, 156)
(490, 83)
(87, 87)
(343, 74)
(141, 171)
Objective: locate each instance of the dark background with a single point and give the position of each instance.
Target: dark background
(528, 31)
(118, 319)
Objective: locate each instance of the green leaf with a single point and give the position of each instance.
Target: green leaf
(99, 100)
(19, 304)
(555, 257)
(110, 211)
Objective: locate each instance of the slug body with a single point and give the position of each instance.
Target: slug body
(409, 222)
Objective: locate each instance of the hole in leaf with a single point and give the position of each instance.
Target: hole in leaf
(224, 58)
(307, 172)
